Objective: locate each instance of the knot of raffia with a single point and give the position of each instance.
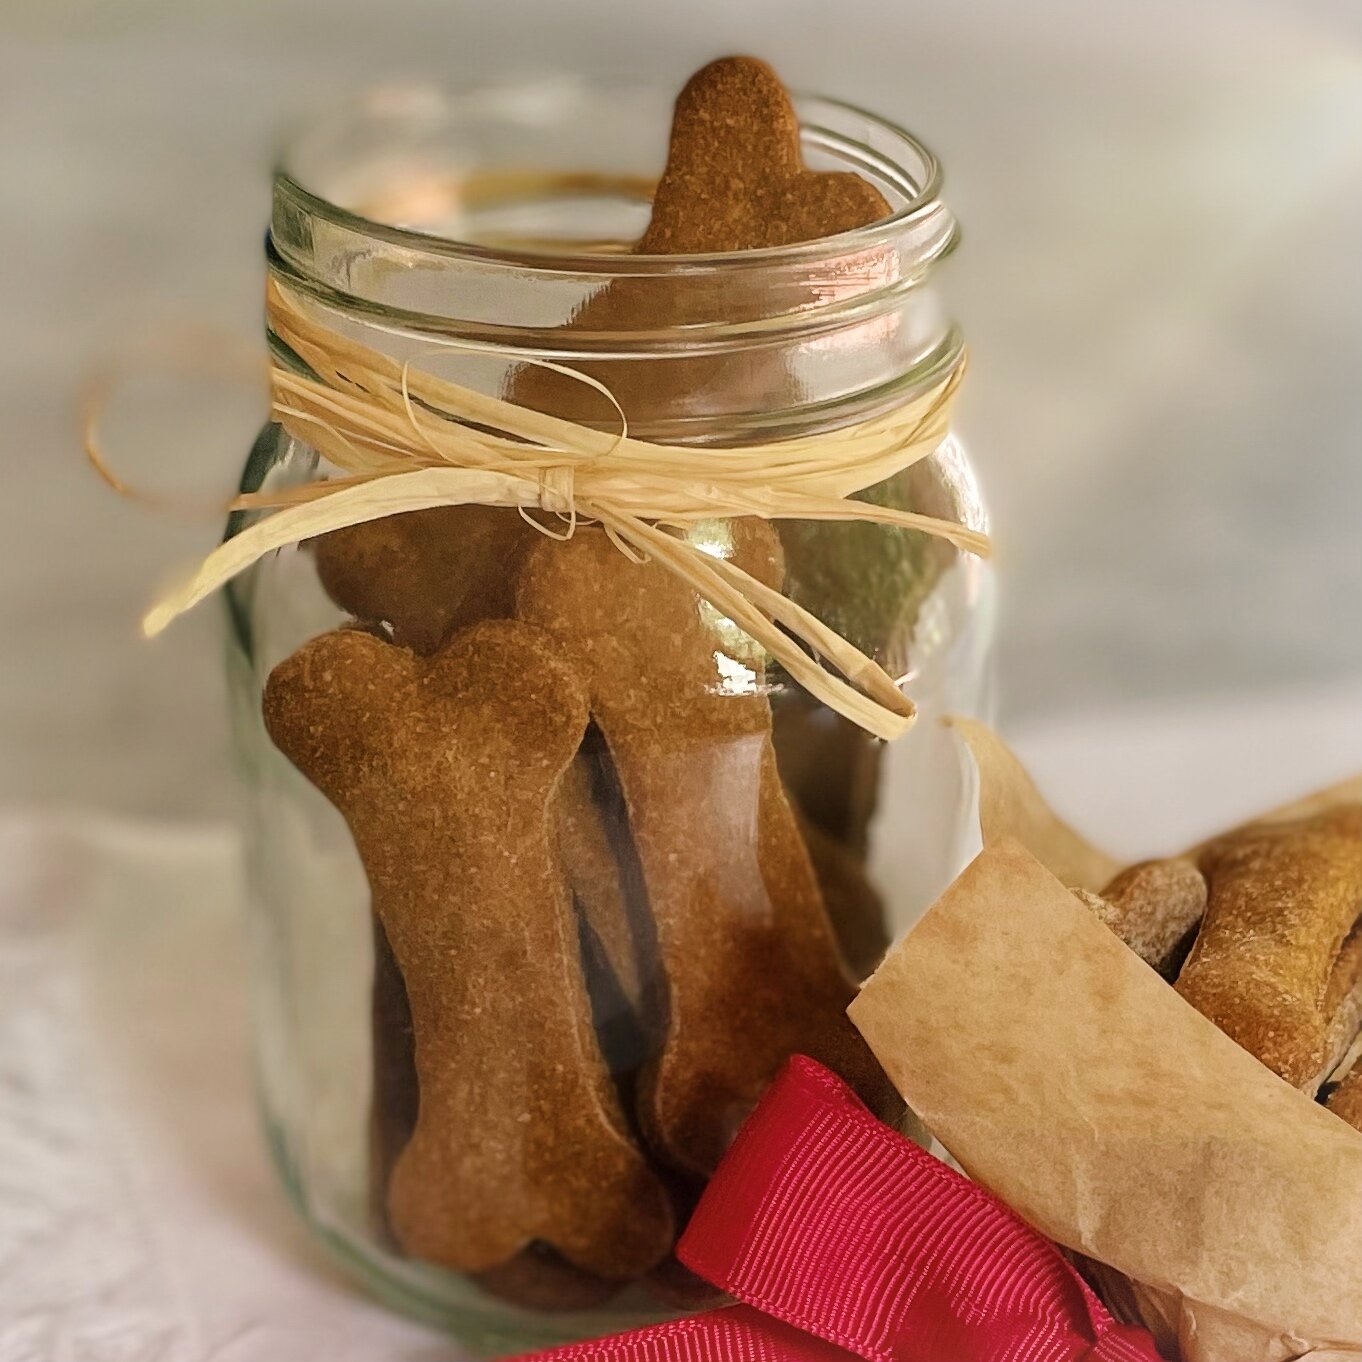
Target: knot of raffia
(403, 439)
(557, 488)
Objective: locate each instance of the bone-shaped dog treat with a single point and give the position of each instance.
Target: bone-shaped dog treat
(735, 178)
(1346, 1100)
(592, 842)
(429, 573)
(855, 908)
(443, 769)
(1154, 907)
(1283, 899)
(537, 1278)
(394, 1101)
(1342, 1007)
(426, 573)
(752, 967)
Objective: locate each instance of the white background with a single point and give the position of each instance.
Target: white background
(1161, 279)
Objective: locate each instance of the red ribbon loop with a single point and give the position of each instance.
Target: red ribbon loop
(842, 1239)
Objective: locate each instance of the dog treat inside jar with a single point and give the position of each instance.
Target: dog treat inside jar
(620, 527)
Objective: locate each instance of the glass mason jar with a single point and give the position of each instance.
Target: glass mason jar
(720, 856)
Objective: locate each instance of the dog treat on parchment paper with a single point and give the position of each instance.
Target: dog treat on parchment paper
(1222, 1208)
(1070, 1080)
(1343, 1008)
(519, 1138)
(1346, 1100)
(1283, 900)
(1276, 961)
(1155, 907)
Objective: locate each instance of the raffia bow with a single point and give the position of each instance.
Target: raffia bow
(406, 440)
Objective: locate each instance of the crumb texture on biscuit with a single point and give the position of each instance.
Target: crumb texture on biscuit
(752, 966)
(735, 177)
(1283, 900)
(443, 769)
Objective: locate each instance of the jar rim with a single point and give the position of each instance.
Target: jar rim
(826, 330)
(921, 193)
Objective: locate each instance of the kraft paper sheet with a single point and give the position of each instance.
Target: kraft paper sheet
(1222, 1208)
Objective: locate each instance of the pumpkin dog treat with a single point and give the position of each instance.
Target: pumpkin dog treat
(1154, 907)
(751, 964)
(1283, 899)
(443, 769)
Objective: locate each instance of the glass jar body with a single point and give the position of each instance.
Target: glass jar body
(887, 828)
(713, 863)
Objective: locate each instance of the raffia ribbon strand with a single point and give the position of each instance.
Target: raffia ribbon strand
(406, 440)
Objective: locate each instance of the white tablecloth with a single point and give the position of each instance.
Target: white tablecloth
(139, 1219)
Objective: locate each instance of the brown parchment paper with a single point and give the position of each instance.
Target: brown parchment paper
(1010, 805)
(1066, 1076)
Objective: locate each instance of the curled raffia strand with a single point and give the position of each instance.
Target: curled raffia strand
(405, 440)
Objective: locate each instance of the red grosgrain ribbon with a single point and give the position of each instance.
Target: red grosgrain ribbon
(844, 1240)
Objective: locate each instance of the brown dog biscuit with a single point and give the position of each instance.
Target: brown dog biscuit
(735, 177)
(587, 852)
(830, 765)
(674, 1285)
(1283, 899)
(1346, 1099)
(539, 1279)
(734, 181)
(395, 1098)
(751, 964)
(1154, 907)
(425, 573)
(1342, 1007)
(444, 770)
(855, 909)
(618, 941)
